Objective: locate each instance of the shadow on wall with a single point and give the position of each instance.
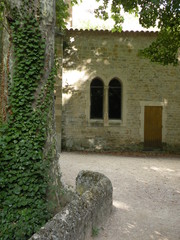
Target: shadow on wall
(86, 56)
(91, 54)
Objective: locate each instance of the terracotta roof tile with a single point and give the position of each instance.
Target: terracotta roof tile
(108, 31)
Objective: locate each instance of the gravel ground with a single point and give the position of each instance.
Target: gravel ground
(146, 194)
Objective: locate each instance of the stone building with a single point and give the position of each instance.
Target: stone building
(112, 98)
(108, 98)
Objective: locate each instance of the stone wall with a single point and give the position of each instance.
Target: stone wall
(58, 89)
(87, 211)
(90, 54)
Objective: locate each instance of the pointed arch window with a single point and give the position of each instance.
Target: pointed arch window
(114, 99)
(97, 93)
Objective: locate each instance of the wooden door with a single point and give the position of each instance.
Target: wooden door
(152, 127)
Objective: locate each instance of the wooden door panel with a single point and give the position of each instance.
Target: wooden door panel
(153, 126)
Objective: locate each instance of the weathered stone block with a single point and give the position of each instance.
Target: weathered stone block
(92, 206)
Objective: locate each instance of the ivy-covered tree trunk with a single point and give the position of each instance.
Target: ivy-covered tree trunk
(29, 174)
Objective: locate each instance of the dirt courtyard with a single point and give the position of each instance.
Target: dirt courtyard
(146, 194)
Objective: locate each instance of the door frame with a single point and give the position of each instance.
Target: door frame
(164, 117)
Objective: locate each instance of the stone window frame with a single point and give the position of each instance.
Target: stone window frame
(106, 121)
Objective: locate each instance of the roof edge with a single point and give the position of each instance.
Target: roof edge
(108, 31)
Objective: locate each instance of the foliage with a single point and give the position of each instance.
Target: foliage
(24, 168)
(62, 12)
(95, 232)
(165, 48)
(163, 13)
(1, 9)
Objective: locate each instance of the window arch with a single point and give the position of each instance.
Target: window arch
(97, 93)
(114, 99)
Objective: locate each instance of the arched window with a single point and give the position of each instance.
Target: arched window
(114, 98)
(97, 89)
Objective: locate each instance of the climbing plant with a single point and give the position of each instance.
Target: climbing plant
(1, 12)
(24, 165)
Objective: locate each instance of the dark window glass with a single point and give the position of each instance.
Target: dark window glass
(97, 99)
(114, 99)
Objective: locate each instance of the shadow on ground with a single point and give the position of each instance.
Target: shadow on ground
(146, 198)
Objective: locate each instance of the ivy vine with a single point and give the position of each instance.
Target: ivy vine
(24, 168)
